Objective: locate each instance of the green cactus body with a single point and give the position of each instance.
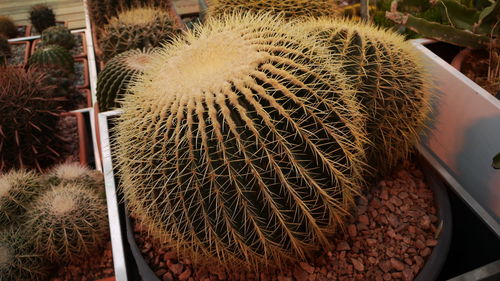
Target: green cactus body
(18, 260)
(241, 144)
(389, 80)
(58, 35)
(289, 8)
(53, 55)
(75, 173)
(17, 190)
(29, 116)
(5, 51)
(136, 29)
(113, 80)
(7, 27)
(42, 17)
(67, 223)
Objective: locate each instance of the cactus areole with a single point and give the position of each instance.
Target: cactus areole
(235, 147)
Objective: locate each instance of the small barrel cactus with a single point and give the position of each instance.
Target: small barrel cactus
(113, 80)
(389, 81)
(67, 223)
(136, 29)
(75, 173)
(5, 51)
(29, 116)
(17, 190)
(289, 8)
(240, 144)
(53, 55)
(42, 17)
(58, 35)
(7, 27)
(18, 260)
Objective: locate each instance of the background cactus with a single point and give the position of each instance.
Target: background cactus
(113, 80)
(18, 261)
(136, 29)
(42, 17)
(17, 190)
(67, 223)
(29, 116)
(58, 35)
(75, 173)
(290, 8)
(240, 143)
(53, 55)
(7, 27)
(5, 51)
(389, 81)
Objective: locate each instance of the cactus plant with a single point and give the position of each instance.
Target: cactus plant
(18, 260)
(53, 55)
(463, 25)
(5, 51)
(58, 35)
(17, 190)
(67, 223)
(28, 120)
(7, 27)
(42, 17)
(113, 80)
(75, 173)
(136, 29)
(290, 8)
(388, 79)
(240, 144)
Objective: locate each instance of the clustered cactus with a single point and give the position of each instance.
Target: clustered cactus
(7, 27)
(114, 79)
(52, 55)
(59, 35)
(17, 190)
(389, 82)
(67, 223)
(42, 17)
(136, 29)
(241, 142)
(289, 8)
(77, 174)
(5, 51)
(30, 112)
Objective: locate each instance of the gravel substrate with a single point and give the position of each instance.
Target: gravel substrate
(97, 267)
(79, 73)
(390, 236)
(68, 131)
(18, 52)
(77, 50)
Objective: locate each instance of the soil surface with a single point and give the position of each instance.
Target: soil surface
(79, 73)
(389, 237)
(476, 67)
(18, 52)
(77, 50)
(68, 131)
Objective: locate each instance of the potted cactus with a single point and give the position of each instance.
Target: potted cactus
(244, 145)
(77, 41)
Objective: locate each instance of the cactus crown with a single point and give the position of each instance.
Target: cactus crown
(289, 8)
(17, 190)
(42, 17)
(75, 173)
(113, 80)
(53, 55)
(240, 143)
(137, 28)
(389, 81)
(7, 27)
(59, 35)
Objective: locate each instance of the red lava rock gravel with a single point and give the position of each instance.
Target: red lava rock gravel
(389, 237)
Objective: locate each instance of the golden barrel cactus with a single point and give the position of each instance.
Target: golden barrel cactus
(241, 144)
(389, 80)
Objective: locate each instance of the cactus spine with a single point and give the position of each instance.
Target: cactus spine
(75, 173)
(17, 190)
(389, 80)
(136, 29)
(42, 17)
(67, 223)
(240, 143)
(53, 55)
(58, 35)
(18, 260)
(7, 27)
(113, 80)
(289, 9)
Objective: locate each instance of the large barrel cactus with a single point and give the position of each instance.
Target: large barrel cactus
(113, 80)
(389, 81)
(289, 8)
(240, 144)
